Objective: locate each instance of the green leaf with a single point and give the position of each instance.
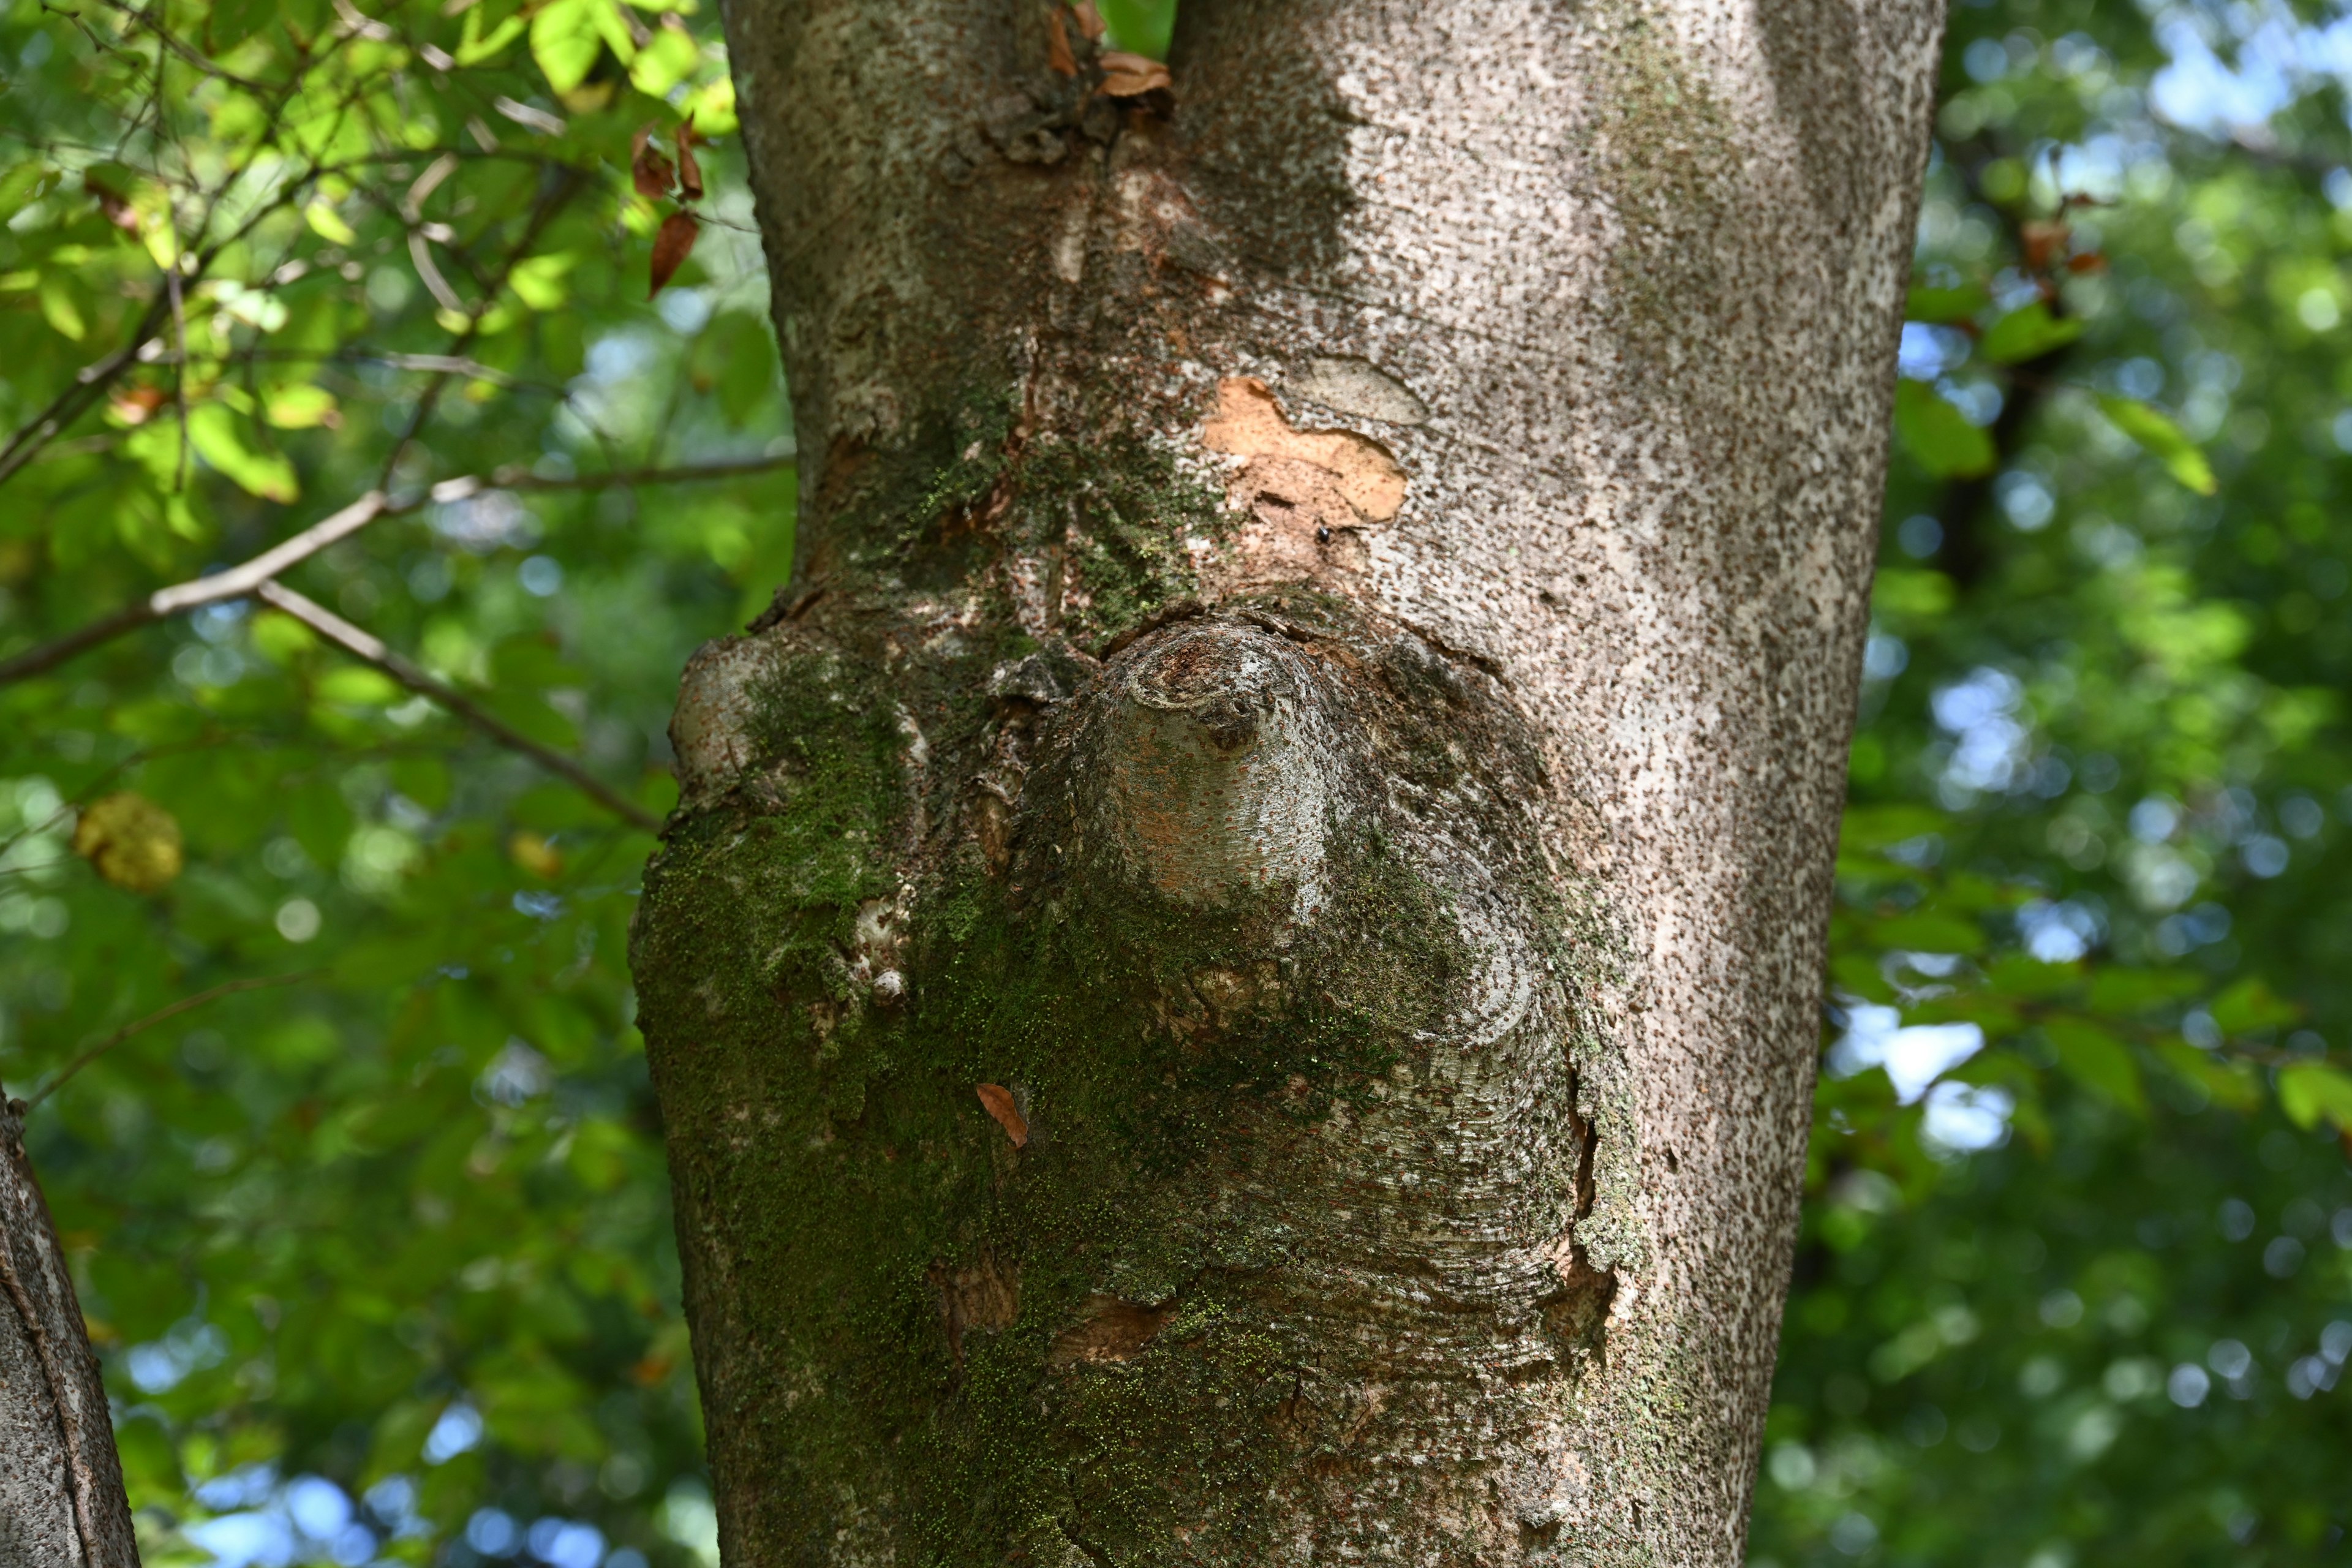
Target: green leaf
(747, 374)
(1142, 26)
(2027, 333)
(425, 780)
(661, 64)
(328, 224)
(2097, 1061)
(2309, 1090)
(1927, 932)
(531, 661)
(1939, 436)
(21, 184)
(566, 36)
(538, 282)
(475, 46)
(304, 407)
(2230, 1084)
(2156, 432)
(2128, 991)
(219, 437)
(1942, 307)
(357, 686)
(61, 311)
(1912, 592)
(2249, 1005)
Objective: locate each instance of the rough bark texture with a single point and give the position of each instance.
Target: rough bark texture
(61, 1497)
(1236, 978)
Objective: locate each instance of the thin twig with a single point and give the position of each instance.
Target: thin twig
(543, 214)
(372, 650)
(239, 581)
(179, 370)
(161, 1015)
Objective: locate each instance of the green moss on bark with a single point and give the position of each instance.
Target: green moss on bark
(907, 1327)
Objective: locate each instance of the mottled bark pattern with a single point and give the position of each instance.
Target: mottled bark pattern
(1320, 668)
(61, 1497)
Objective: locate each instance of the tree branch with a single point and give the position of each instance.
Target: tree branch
(372, 650)
(239, 581)
(160, 1016)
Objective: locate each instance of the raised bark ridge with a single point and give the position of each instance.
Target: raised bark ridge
(1320, 665)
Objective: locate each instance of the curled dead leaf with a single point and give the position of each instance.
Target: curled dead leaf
(649, 167)
(1058, 43)
(1132, 75)
(672, 245)
(131, 841)
(690, 172)
(997, 1100)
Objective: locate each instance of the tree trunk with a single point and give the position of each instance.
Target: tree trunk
(1236, 977)
(61, 1497)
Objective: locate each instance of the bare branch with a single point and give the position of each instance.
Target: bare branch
(160, 1016)
(372, 650)
(239, 581)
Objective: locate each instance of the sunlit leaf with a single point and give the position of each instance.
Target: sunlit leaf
(2155, 431)
(2309, 1091)
(226, 441)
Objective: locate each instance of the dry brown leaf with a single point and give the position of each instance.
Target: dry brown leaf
(131, 841)
(119, 212)
(2043, 241)
(649, 167)
(1058, 43)
(690, 172)
(133, 405)
(1090, 20)
(672, 245)
(1132, 75)
(997, 1100)
(1249, 424)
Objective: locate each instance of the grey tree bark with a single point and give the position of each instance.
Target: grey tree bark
(61, 1498)
(1236, 977)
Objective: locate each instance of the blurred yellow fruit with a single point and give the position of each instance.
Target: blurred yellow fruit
(536, 855)
(132, 842)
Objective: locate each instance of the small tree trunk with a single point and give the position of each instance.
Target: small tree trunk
(61, 1498)
(1236, 979)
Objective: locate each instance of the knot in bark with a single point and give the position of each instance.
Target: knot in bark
(1216, 766)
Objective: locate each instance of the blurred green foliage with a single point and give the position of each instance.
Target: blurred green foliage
(378, 1258)
(420, 1187)
(2099, 829)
